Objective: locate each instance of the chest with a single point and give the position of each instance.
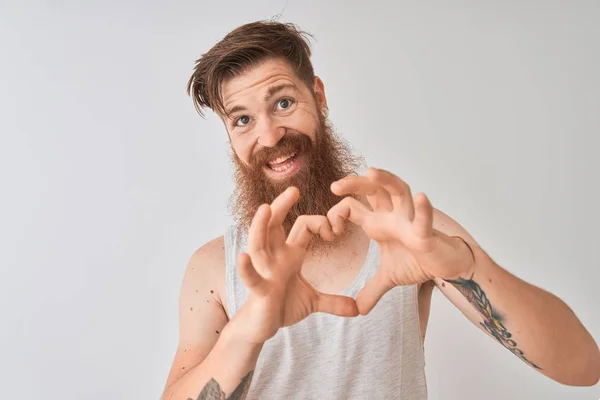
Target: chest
(334, 272)
(329, 357)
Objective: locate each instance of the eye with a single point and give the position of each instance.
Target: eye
(284, 104)
(242, 121)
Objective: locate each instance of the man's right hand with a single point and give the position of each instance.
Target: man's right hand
(271, 269)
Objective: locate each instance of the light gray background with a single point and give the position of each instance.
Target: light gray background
(110, 181)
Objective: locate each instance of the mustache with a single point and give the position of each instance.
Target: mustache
(296, 143)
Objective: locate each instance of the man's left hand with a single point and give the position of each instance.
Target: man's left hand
(412, 251)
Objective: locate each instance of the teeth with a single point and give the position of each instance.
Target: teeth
(279, 160)
(283, 167)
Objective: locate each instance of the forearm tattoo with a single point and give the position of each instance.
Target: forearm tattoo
(492, 322)
(212, 390)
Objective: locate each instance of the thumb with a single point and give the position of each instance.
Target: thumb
(342, 306)
(373, 291)
(251, 278)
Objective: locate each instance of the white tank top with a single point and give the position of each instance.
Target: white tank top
(324, 357)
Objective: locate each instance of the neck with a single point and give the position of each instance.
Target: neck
(352, 240)
(333, 270)
(352, 237)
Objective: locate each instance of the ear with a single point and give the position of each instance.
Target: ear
(319, 89)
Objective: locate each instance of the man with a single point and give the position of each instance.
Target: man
(322, 288)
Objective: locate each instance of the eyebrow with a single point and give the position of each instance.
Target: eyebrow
(271, 91)
(234, 110)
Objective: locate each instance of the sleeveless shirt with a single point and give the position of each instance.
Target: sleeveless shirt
(324, 357)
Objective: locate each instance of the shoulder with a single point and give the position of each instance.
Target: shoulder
(201, 313)
(208, 259)
(206, 271)
(212, 252)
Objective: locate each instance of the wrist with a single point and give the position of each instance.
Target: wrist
(469, 255)
(249, 326)
(235, 335)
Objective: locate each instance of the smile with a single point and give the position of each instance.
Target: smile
(283, 166)
(280, 164)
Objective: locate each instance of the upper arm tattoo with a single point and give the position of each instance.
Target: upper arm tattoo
(212, 390)
(492, 321)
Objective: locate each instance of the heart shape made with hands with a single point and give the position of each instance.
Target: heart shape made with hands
(411, 250)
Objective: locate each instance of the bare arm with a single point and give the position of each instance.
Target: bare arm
(279, 297)
(209, 359)
(225, 373)
(418, 244)
(533, 324)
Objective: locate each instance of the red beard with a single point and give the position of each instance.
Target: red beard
(324, 162)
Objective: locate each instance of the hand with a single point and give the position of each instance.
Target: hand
(280, 296)
(412, 252)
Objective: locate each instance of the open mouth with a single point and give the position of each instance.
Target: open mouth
(284, 166)
(284, 163)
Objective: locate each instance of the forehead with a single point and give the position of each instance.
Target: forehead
(257, 79)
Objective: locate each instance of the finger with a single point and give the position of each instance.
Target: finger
(354, 184)
(377, 196)
(397, 188)
(341, 306)
(348, 209)
(372, 292)
(423, 223)
(256, 283)
(306, 226)
(258, 231)
(282, 205)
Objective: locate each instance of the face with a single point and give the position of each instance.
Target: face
(266, 103)
(280, 138)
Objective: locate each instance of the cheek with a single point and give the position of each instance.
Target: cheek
(305, 121)
(242, 151)
(309, 128)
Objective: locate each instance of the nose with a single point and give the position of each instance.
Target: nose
(270, 133)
